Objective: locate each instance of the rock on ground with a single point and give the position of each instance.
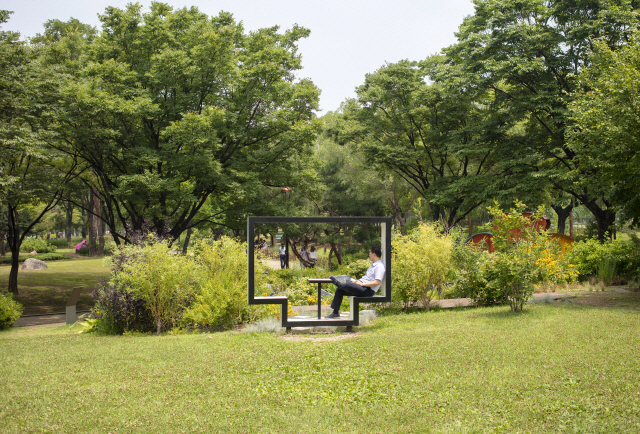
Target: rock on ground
(34, 264)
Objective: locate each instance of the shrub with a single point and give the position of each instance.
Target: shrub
(166, 282)
(222, 301)
(470, 262)
(513, 269)
(38, 244)
(60, 243)
(119, 310)
(10, 310)
(423, 261)
(109, 249)
(43, 257)
(587, 255)
(358, 268)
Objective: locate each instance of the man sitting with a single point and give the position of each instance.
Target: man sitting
(365, 287)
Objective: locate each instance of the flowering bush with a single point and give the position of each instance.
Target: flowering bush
(555, 267)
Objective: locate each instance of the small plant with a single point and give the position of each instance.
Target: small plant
(10, 310)
(607, 270)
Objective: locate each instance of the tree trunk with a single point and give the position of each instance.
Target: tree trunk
(334, 249)
(563, 214)
(187, 238)
(14, 245)
(97, 223)
(69, 210)
(3, 236)
(83, 229)
(605, 218)
(91, 224)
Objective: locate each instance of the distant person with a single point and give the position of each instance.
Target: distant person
(304, 253)
(283, 256)
(313, 256)
(365, 287)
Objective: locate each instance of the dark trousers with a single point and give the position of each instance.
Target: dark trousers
(349, 289)
(283, 261)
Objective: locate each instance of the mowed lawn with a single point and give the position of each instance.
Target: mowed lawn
(46, 291)
(565, 367)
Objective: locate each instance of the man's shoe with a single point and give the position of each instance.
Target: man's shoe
(332, 315)
(335, 281)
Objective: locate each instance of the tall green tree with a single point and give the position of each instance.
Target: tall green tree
(30, 172)
(174, 109)
(414, 120)
(606, 125)
(529, 53)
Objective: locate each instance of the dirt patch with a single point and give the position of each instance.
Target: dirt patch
(319, 338)
(609, 299)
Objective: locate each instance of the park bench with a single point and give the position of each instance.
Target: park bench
(384, 293)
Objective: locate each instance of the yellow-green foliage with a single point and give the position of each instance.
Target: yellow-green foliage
(358, 268)
(222, 301)
(10, 310)
(423, 261)
(165, 281)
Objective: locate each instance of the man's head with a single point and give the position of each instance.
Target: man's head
(375, 253)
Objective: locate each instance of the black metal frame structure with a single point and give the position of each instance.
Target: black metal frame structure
(353, 320)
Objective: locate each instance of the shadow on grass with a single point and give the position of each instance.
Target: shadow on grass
(501, 312)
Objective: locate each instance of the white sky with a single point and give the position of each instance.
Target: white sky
(349, 38)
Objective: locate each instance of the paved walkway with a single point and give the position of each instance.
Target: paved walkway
(39, 320)
(60, 318)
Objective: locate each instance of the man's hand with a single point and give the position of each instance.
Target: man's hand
(368, 284)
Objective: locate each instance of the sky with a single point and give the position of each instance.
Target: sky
(349, 38)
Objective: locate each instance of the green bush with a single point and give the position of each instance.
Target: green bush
(43, 257)
(222, 300)
(10, 310)
(589, 254)
(60, 243)
(423, 262)
(109, 249)
(358, 268)
(166, 282)
(469, 281)
(513, 269)
(38, 244)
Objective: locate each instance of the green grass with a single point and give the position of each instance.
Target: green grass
(562, 367)
(45, 291)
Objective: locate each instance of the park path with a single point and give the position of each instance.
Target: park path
(59, 319)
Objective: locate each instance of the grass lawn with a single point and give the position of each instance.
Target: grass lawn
(45, 291)
(564, 367)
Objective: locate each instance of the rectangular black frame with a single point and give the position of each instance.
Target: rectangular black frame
(353, 320)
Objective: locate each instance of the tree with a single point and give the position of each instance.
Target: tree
(607, 124)
(30, 173)
(529, 54)
(433, 136)
(173, 110)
